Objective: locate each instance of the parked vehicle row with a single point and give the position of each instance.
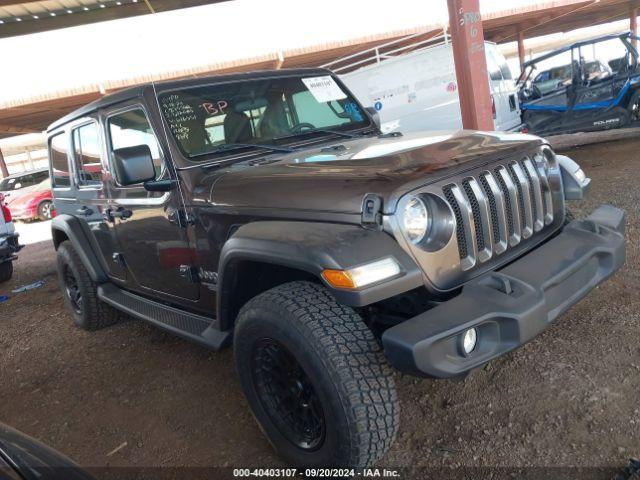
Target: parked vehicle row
(267, 210)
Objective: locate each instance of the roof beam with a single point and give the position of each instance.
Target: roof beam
(17, 130)
(11, 29)
(7, 3)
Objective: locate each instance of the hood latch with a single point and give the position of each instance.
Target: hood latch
(372, 212)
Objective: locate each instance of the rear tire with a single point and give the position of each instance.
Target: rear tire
(80, 292)
(6, 271)
(45, 210)
(315, 377)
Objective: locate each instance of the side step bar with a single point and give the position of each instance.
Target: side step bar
(192, 327)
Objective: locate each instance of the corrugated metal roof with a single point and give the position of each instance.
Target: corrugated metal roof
(20, 18)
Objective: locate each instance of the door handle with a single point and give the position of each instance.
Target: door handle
(86, 211)
(122, 213)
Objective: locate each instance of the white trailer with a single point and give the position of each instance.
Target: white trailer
(413, 84)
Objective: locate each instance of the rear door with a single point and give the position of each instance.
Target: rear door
(152, 240)
(91, 179)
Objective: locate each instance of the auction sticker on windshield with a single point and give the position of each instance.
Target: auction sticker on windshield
(324, 89)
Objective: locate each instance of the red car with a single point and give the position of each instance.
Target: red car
(35, 203)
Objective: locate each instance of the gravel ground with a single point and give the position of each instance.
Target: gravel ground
(569, 398)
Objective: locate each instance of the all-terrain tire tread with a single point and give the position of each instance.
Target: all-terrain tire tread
(6, 271)
(354, 360)
(98, 314)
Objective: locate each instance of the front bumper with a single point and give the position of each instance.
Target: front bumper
(9, 246)
(510, 307)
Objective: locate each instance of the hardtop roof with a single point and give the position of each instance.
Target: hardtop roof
(137, 91)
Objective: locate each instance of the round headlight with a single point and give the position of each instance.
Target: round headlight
(416, 220)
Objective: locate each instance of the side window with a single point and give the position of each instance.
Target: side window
(59, 163)
(40, 177)
(131, 129)
(494, 68)
(319, 114)
(504, 68)
(25, 181)
(86, 148)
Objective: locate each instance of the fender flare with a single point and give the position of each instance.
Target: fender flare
(313, 247)
(78, 234)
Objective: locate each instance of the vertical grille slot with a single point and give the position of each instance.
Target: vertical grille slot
(536, 194)
(462, 242)
(511, 199)
(524, 198)
(475, 208)
(481, 218)
(465, 226)
(498, 208)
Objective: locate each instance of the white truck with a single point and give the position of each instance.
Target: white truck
(413, 85)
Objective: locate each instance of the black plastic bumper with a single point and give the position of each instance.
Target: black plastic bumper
(512, 306)
(9, 246)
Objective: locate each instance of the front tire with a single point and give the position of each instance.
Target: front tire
(80, 293)
(315, 377)
(6, 271)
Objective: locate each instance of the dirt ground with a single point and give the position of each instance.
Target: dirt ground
(568, 398)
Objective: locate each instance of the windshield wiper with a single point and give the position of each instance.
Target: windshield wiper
(324, 130)
(237, 146)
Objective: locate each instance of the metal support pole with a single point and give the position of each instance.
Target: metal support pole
(3, 166)
(30, 160)
(467, 37)
(633, 26)
(521, 50)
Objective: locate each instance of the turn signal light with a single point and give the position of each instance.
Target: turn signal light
(338, 279)
(364, 275)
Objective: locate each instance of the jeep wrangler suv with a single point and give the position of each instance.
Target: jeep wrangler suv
(267, 210)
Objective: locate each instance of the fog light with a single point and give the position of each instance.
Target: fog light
(469, 340)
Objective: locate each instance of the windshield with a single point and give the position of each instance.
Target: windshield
(207, 119)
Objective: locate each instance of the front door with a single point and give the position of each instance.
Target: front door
(154, 246)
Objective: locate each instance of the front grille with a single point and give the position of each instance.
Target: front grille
(496, 210)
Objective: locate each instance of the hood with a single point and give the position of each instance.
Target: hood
(335, 178)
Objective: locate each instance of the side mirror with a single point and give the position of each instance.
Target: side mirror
(134, 165)
(375, 116)
(17, 186)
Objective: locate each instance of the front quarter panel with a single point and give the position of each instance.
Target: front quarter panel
(314, 247)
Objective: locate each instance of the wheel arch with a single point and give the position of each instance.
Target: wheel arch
(67, 227)
(265, 254)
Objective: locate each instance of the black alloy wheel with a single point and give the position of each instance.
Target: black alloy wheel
(72, 290)
(287, 395)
